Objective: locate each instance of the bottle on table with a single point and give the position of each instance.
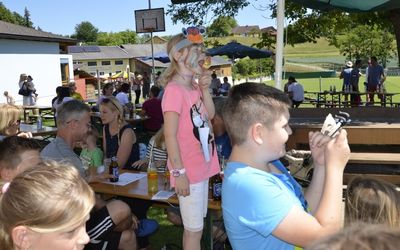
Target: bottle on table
(152, 178)
(114, 169)
(39, 123)
(167, 176)
(132, 112)
(216, 180)
(216, 187)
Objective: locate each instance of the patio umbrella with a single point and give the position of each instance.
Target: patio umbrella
(122, 74)
(161, 56)
(237, 50)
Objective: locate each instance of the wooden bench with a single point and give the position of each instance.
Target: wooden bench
(392, 178)
(378, 159)
(375, 129)
(35, 116)
(375, 158)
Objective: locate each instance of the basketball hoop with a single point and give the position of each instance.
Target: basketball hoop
(149, 20)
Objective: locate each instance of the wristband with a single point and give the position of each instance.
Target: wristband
(177, 172)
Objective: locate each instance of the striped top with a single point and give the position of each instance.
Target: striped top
(159, 154)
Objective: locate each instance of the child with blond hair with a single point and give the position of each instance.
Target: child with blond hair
(188, 109)
(91, 153)
(33, 210)
(372, 201)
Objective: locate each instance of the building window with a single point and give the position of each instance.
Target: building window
(64, 67)
(105, 63)
(101, 73)
(119, 62)
(92, 73)
(118, 71)
(92, 64)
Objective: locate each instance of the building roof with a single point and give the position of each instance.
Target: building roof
(156, 39)
(97, 52)
(143, 50)
(245, 29)
(18, 32)
(270, 30)
(157, 64)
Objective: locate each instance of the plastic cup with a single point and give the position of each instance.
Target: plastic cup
(100, 169)
(106, 163)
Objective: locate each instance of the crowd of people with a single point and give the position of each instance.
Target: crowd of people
(263, 206)
(374, 81)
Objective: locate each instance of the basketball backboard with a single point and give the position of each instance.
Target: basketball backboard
(149, 20)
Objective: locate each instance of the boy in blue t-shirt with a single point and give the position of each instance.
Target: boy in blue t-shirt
(263, 207)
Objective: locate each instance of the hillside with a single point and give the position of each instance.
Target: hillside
(303, 57)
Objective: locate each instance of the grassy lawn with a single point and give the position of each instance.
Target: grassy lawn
(306, 50)
(167, 232)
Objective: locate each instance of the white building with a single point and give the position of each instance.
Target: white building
(40, 54)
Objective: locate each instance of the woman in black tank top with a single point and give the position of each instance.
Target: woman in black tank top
(119, 138)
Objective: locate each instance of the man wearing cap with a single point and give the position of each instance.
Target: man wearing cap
(346, 76)
(296, 92)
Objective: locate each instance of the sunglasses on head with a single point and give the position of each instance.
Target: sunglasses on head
(107, 100)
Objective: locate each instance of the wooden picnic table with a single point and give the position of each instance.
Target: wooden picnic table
(32, 128)
(91, 102)
(43, 110)
(136, 119)
(374, 158)
(139, 190)
(357, 133)
(336, 98)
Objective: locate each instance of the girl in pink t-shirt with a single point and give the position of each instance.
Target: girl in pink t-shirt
(188, 108)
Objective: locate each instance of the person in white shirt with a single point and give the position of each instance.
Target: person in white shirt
(123, 98)
(296, 92)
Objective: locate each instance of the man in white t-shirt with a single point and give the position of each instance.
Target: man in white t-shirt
(296, 92)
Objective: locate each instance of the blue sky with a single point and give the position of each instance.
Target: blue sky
(61, 17)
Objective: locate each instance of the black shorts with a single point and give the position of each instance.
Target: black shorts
(100, 229)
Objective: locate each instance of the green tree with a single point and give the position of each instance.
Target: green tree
(27, 18)
(222, 26)
(195, 13)
(86, 32)
(104, 39)
(142, 38)
(127, 37)
(14, 17)
(306, 25)
(247, 67)
(118, 38)
(6, 15)
(20, 20)
(366, 41)
(266, 41)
